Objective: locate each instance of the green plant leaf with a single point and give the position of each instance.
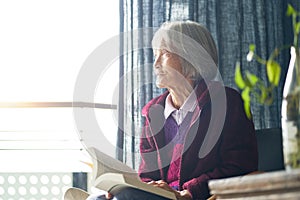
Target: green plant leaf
(297, 28)
(247, 109)
(238, 78)
(251, 79)
(246, 94)
(263, 94)
(290, 10)
(252, 47)
(273, 72)
(246, 98)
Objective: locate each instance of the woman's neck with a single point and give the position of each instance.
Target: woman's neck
(180, 93)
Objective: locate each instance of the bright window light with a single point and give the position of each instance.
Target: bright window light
(43, 47)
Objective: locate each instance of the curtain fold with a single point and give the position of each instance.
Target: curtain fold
(234, 25)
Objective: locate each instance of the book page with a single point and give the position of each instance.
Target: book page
(112, 182)
(103, 163)
(110, 174)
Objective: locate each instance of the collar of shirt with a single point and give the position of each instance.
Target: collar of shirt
(188, 106)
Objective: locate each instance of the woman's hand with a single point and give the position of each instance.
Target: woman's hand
(109, 195)
(180, 195)
(100, 197)
(161, 184)
(184, 195)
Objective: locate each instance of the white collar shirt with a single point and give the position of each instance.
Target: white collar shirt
(179, 114)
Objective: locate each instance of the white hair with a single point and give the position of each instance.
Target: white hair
(193, 43)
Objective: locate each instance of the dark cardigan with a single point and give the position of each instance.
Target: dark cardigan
(230, 146)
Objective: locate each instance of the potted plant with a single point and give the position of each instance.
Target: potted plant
(252, 86)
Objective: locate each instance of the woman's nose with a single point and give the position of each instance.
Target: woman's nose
(157, 62)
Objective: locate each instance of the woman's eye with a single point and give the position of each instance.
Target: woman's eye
(162, 53)
(166, 53)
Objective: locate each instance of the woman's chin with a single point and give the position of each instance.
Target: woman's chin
(160, 85)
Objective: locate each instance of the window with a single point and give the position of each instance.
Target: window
(43, 47)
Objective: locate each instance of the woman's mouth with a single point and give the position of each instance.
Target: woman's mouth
(158, 73)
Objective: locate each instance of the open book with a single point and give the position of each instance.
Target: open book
(111, 175)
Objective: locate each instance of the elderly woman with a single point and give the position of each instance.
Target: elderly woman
(197, 130)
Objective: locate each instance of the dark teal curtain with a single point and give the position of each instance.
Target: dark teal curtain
(234, 25)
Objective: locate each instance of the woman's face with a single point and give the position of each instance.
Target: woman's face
(167, 68)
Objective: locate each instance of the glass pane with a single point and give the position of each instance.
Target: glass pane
(98, 128)
(48, 139)
(45, 43)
